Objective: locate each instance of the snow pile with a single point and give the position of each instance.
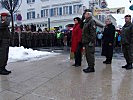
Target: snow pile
(22, 54)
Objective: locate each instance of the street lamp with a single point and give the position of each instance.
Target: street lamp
(12, 6)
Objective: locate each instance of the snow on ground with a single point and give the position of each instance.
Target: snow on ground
(21, 54)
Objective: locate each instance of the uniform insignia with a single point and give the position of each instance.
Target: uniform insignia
(94, 26)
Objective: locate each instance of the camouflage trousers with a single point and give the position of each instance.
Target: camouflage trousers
(128, 52)
(90, 55)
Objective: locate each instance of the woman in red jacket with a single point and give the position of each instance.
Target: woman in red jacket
(76, 46)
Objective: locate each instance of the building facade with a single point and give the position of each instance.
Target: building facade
(60, 12)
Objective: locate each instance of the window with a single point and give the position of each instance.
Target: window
(52, 12)
(30, 1)
(47, 13)
(55, 11)
(44, 13)
(76, 9)
(60, 11)
(70, 9)
(31, 15)
(65, 10)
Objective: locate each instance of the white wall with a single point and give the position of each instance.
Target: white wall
(86, 3)
(55, 20)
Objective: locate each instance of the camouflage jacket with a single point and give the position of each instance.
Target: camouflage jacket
(127, 34)
(89, 31)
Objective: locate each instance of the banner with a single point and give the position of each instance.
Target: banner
(99, 11)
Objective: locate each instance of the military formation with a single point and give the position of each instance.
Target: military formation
(39, 39)
(87, 37)
(33, 40)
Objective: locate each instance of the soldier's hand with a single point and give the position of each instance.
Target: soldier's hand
(3, 21)
(110, 44)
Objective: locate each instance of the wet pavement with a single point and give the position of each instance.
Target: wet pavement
(55, 79)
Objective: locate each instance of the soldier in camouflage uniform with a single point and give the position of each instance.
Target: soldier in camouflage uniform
(88, 40)
(4, 43)
(127, 42)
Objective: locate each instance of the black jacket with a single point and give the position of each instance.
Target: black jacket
(4, 30)
(108, 40)
(109, 34)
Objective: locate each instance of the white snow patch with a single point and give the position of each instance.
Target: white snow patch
(21, 54)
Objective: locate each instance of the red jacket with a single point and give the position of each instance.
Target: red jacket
(76, 37)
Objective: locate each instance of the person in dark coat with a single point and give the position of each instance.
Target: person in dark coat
(39, 30)
(4, 43)
(32, 28)
(108, 41)
(76, 46)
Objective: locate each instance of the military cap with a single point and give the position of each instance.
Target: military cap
(87, 10)
(128, 15)
(4, 14)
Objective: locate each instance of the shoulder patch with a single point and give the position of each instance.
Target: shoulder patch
(94, 26)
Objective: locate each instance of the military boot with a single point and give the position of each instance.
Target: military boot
(7, 71)
(3, 72)
(108, 62)
(129, 67)
(105, 61)
(89, 70)
(125, 66)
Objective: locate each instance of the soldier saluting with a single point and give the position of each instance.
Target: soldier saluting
(88, 40)
(4, 42)
(127, 42)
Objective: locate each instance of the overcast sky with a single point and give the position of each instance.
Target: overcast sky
(120, 3)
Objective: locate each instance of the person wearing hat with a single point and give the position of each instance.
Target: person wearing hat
(88, 40)
(83, 18)
(127, 42)
(4, 42)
